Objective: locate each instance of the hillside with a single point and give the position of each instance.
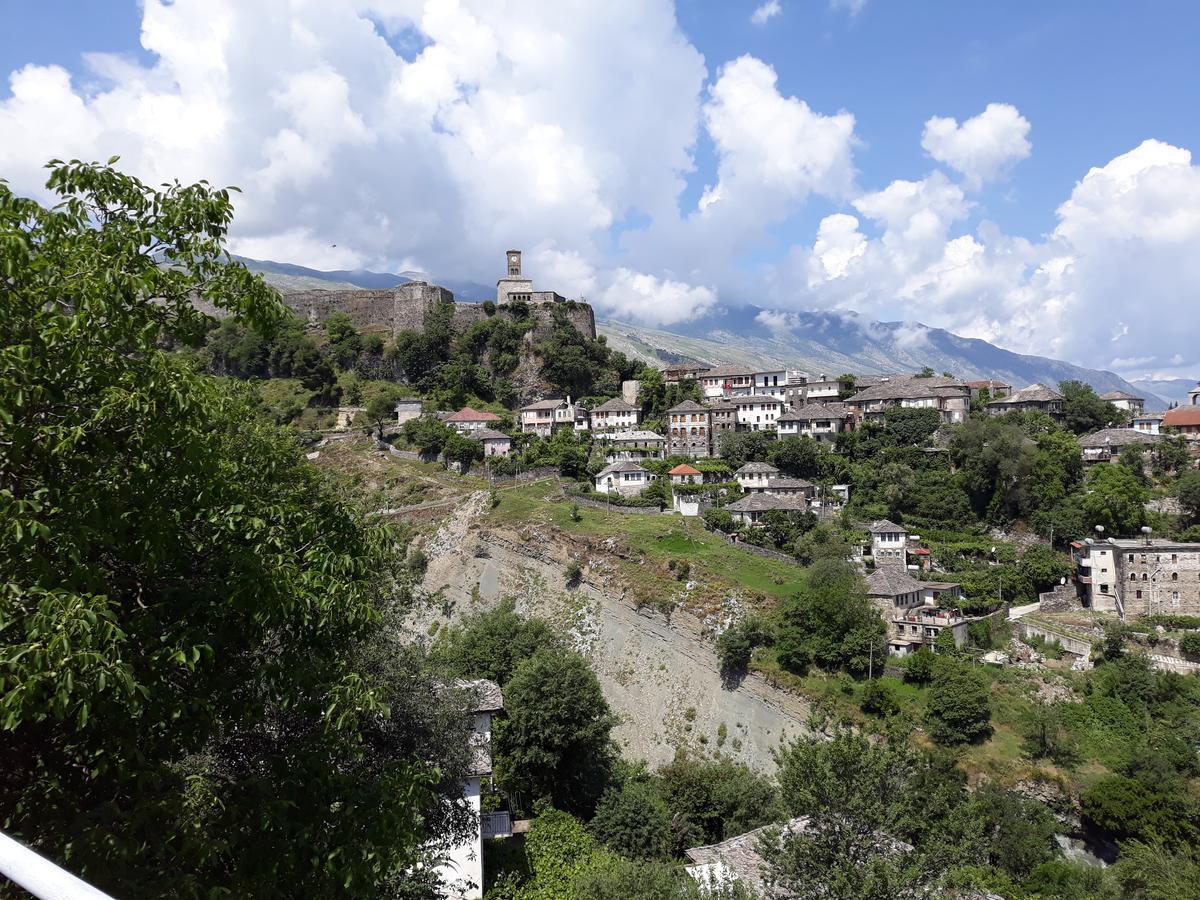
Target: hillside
(814, 341)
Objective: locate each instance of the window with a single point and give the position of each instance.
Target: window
(1104, 588)
(1133, 576)
(1139, 595)
(1174, 557)
(1144, 576)
(1174, 576)
(1131, 557)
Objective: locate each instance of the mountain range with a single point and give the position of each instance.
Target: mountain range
(814, 342)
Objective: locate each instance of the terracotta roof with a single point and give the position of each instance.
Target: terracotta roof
(1035, 393)
(1118, 437)
(684, 469)
(887, 581)
(616, 404)
(466, 414)
(687, 406)
(544, 404)
(756, 467)
(1182, 415)
(767, 502)
(1121, 395)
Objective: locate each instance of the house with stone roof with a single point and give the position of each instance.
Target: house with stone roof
(916, 612)
(495, 443)
(1106, 445)
(751, 508)
(467, 420)
(995, 389)
(889, 544)
(690, 371)
(949, 396)
(820, 421)
(689, 430)
(626, 478)
(754, 476)
(636, 445)
(1147, 422)
(615, 414)
(407, 409)
(1131, 403)
(1184, 420)
(727, 380)
(544, 417)
(1036, 397)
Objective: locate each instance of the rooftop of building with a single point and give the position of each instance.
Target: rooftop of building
(768, 502)
(1121, 395)
(684, 469)
(616, 404)
(1118, 437)
(489, 434)
(729, 371)
(909, 387)
(753, 468)
(550, 403)
(1034, 393)
(625, 465)
(882, 526)
(784, 484)
(888, 581)
(815, 411)
(687, 406)
(631, 436)
(1182, 415)
(488, 697)
(466, 414)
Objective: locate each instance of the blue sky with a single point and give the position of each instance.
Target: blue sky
(667, 159)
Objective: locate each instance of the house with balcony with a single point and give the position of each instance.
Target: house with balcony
(461, 868)
(1106, 445)
(632, 445)
(625, 478)
(689, 430)
(818, 389)
(923, 625)
(467, 420)
(1131, 403)
(949, 396)
(615, 415)
(679, 372)
(819, 421)
(1035, 397)
(539, 417)
(757, 412)
(727, 381)
(772, 382)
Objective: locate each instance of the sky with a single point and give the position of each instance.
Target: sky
(1018, 172)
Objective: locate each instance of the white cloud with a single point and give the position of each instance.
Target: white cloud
(853, 7)
(656, 301)
(767, 11)
(982, 147)
(781, 324)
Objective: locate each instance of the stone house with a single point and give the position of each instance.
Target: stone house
(408, 409)
(995, 389)
(678, 372)
(820, 421)
(757, 412)
(916, 612)
(889, 544)
(634, 445)
(923, 625)
(467, 420)
(819, 389)
(1106, 445)
(1131, 403)
(1135, 576)
(461, 867)
(495, 443)
(1185, 420)
(1036, 396)
(723, 414)
(755, 476)
(626, 478)
(516, 288)
(751, 508)
(727, 381)
(949, 396)
(689, 427)
(615, 414)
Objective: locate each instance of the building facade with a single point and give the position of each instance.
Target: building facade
(1138, 577)
(615, 414)
(1036, 397)
(757, 412)
(949, 396)
(689, 430)
(626, 478)
(467, 420)
(1184, 420)
(727, 381)
(820, 421)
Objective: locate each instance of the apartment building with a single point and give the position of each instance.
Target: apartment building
(1138, 577)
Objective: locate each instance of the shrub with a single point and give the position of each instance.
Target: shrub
(959, 709)
(1190, 644)
(574, 572)
(734, 649)
(634, 821)
(878, 699)
(918, 668)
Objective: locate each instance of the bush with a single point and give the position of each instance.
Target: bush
(719, 520)
(734, 649)
(1189, 644)
(574, 572)
(959, 709)
(634, 821)
(918, 668)
(878, 699)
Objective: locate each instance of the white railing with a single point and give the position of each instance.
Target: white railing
(41, 877)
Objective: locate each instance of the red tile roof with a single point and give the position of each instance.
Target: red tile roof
(1182, 415)
(466, 414)
(684, 469)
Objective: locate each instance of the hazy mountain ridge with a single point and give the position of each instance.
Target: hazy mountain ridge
(814, 342)
(1172, 389)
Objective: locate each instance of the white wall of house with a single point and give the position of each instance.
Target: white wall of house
(758, 412)
(627, 484)
(691, 504)
(461, 870)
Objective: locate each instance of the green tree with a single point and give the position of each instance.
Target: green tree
(491, 644)
(186, 602)
(1083, 411)
(462, 450)
(427, 434)
(634, 821)
(911, 426)
(554, 742)
(711, 800)
(344, 341)
(830, 622)
(1188, 491)
(1115, 499)
(381, 409)
(796, 457)
(959, 707)
(878, 699)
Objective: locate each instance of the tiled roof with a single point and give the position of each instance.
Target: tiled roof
(887, 581)
(543, 404)
(489, 434)
(1182, 415)
(767, 502)
(487, 694)
(756, 467)
(616, 404)
(684, 469)
(909, 387)
(687, 406)
(1118, 437)
(1035, 393)
(619, 437)
(884, 525)
(466, 414)
(814, 411)
(728, 371)
(625, 465)
(1121, 395)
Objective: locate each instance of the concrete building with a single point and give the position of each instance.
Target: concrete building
(757, 412)
(516, 288)
(821, 389)
(923, 625)
(1106, 445)
(1136, 577)
(1131, 403)
(1036, 397)
(626, 478)
(689, 428)
(1185, 420)
(949, 396)
(820, 421)
(727, 381)
(461, 867)
(615, 414)
(1147, 422)
(1194, 395)
(495, 443)
(408, 409)
(467, 420)
(632, 445)
(772, 382)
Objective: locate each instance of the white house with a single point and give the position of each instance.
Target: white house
(467, 420)
(1131, 403)
(757, 412)
(773, 382)
(635, 445)
(889, 543)
(408, 409)
(754, 476)
(1147, 422)
(461, 869)
(541, 416)
(820, 421)
(615, 414)
(727, 381)
(626, 478)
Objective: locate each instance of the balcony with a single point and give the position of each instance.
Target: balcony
(495, 824)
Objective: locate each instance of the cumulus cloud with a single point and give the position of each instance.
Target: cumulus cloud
(656, 301)
(982, 147)
(766, 12)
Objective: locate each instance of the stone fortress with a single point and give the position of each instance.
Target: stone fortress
(403, 307)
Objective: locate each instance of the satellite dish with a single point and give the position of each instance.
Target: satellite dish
(1062, 581)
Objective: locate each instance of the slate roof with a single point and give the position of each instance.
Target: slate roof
(754, 468)
(616, 404)
(684, 469)
(490, 434)
(487, 693)
(767, 502)
(638, 436)
(884, 525)
(1121, 395)
(1035, 393)
(1182, 415)
(729, 371)
(544, 404)
(625, 465)
(887, 581)
(1118, 437)
(988, 384)
(466, 414)
(787, 484)
(909, 387)
(687, 406)
(815, 411)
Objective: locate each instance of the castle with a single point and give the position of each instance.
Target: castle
(403, 307)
